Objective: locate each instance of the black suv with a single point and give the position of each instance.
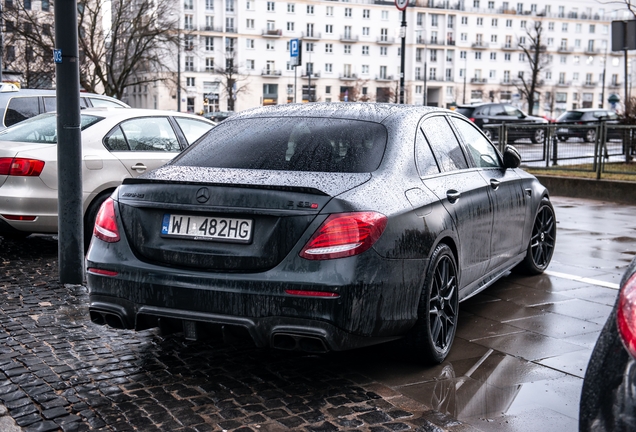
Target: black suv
(20, 104)
(586, 116)
(499, 113)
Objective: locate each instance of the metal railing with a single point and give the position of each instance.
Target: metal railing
(598, 148)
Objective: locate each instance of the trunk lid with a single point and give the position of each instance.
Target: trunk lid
(274, 208)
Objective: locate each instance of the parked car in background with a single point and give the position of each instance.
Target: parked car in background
(116, 144)
(585, 116)
(320, 227)
(218, 116)
(17, 104)
(608, 399)
(492, 114)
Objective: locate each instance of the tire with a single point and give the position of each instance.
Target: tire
(91, 215)
(432, 336)
(489, 134)
(562, 138)
(590, 135)
(538, 136)
(542, 242)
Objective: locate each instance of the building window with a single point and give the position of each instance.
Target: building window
(329, 48)
(328, 67)
(329, 28)
(270, 45)
(493, 56)
(187, 4)
(383, 51)
(290, 26)
(347, 49)
(291, 7)
(507, 56)
(46, 5)
(365, 31)
(249, 43)
(271, 6)
(366, 13)
(365, 49)
(188, 22)
(480, 22)
(564, 27)
(310, 9)
(209, 64)
(229, 5)
(464, 20)
(347, 12)
(249, 64)
(329, 11)
(249, 23)
(508, 23)
(189, 81)
(365, 69)
(385, 15)
(189, 64)
(309, 47)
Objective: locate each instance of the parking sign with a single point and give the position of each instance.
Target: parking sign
(295, 52)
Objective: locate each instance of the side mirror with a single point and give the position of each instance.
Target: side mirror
(511, 157)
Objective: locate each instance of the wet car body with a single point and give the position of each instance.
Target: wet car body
(608, 397)
(266, 283)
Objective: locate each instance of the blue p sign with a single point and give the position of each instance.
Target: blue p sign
(57, 55)
(294, 44)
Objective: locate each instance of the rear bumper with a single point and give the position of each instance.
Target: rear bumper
(376, 299)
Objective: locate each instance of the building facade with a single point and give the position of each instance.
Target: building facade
(456, 52)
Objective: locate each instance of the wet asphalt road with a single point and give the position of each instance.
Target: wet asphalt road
(517, 363)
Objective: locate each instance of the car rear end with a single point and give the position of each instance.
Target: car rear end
(608, 398)
(268, 240)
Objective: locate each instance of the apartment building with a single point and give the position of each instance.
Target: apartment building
(456, 52)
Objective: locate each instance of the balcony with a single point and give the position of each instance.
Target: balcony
(506, 82)
(564, 84)
(271, 73)
(304, 74)
(310, 35)
(384, 78)
(480, 45)
(213, 29)
(478, 80)
(385, 40)
(592, 51)
(508, 47)
(590, 84)
(564, 48)
(231, 30)
(275, 33)
(348, 77)
(349, 38)
(615, 85)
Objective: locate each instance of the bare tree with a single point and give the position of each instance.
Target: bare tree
(232, 81)
(121, 43)
(357, 93)
(538, 61)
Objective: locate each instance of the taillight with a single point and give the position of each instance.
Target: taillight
(344, 234)
(472, 119)
(106, 223)
(626, 315)
(21, 167)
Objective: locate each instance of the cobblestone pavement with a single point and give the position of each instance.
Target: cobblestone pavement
(59, 371)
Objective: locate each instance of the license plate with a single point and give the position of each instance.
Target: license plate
(207, 228)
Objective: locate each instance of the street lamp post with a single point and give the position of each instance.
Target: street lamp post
(179, 71)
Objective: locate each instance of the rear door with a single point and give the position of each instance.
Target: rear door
(505, 188)
(464, 194)
(143, 144)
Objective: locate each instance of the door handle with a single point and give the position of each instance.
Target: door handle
(139, 167)
(494, 184)
(452, 196)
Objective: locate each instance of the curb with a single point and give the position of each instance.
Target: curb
(603, 190)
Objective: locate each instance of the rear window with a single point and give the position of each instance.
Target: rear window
(571, 115)
(41, 129)
(468, 112)
(20, 109)
(291, 144)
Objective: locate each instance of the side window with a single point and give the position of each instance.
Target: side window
(150, 134)
(50, 103)
(192, 129)
(116, 141)
(482, 152)
(498, 110)
(21, 108)
(444, 144)
(424, 159)
(96, 102)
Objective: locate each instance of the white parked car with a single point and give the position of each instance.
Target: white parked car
(116, 144)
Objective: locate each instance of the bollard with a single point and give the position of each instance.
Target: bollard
(555, 156)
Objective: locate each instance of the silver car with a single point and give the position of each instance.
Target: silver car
(116, 144)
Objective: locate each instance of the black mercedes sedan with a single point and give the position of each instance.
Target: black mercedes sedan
(608, 398)
(320, 227)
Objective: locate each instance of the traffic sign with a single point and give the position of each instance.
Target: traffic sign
(401, 4)
(57, 55)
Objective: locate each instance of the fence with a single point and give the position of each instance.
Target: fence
(599, 148)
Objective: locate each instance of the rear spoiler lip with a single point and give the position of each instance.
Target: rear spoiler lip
(286, 188)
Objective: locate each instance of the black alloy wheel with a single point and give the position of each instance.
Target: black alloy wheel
(590, 135)
(538, 136)
(542, 242)
(433, 334)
